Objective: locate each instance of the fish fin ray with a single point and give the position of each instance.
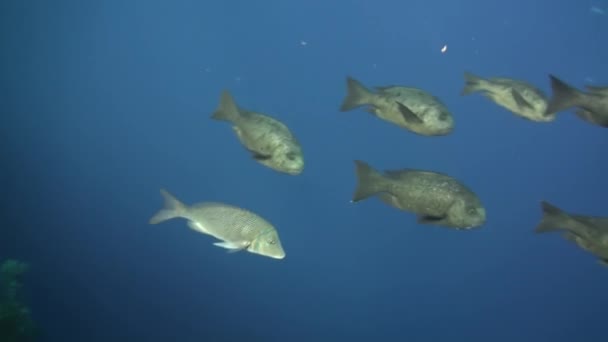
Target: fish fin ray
(564, 96)
(472, 83)
(368, 181)
(550, 218)
(227, 109)
(356, 95)
(172, 208)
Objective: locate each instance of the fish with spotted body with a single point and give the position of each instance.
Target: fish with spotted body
(410, 108)
(434, 197)
(588, 232)
(269, 141)
(591, 105)
(519, 97)
(238, 229)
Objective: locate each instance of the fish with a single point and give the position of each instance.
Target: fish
(588, 232)
(435, 198)
(409, 108)
(269, 141)
(600, 90)
(237, 229)
(519, 97)
(589, 246)
(590, 116)
(591, 106)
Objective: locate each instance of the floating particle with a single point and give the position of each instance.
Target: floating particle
(597, 10)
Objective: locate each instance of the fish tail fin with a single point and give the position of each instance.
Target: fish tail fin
(472, 83)
(564, 96)
(356, 95)
(368, 181)
(227, 109)
(552, 216)
(172, 208)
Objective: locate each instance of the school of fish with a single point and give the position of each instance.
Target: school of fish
(435, 198)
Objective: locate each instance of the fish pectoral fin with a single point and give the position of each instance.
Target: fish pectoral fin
(232, 247)
(407, 114)
(521, 102)
(259, 155)
(430, 219)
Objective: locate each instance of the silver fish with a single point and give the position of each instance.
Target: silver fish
(238, 229)
(519, 97)
(588, 232)
(409, 108)
(434, 197)
(268, 140)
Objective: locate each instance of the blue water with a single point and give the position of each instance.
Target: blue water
(105, 102)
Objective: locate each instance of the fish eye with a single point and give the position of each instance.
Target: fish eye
(443, 116)
(291, 156)
(271, 241)
(472, 211)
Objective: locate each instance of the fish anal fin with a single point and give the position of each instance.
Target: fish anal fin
(197, 227)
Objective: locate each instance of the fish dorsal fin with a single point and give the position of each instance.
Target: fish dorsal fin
(407, 114)
(396, 174)
(384, 88)
(521, 102)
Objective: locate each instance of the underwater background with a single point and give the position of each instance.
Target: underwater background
(105, 102)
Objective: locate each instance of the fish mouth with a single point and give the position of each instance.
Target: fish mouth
(293, 171)
(278, 256)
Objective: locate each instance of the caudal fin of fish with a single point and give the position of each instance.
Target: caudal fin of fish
(227, 109)
(173, 208)
(472, 83)
(564, 96)
(369, 181)
(356, 95)
(552, 219)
